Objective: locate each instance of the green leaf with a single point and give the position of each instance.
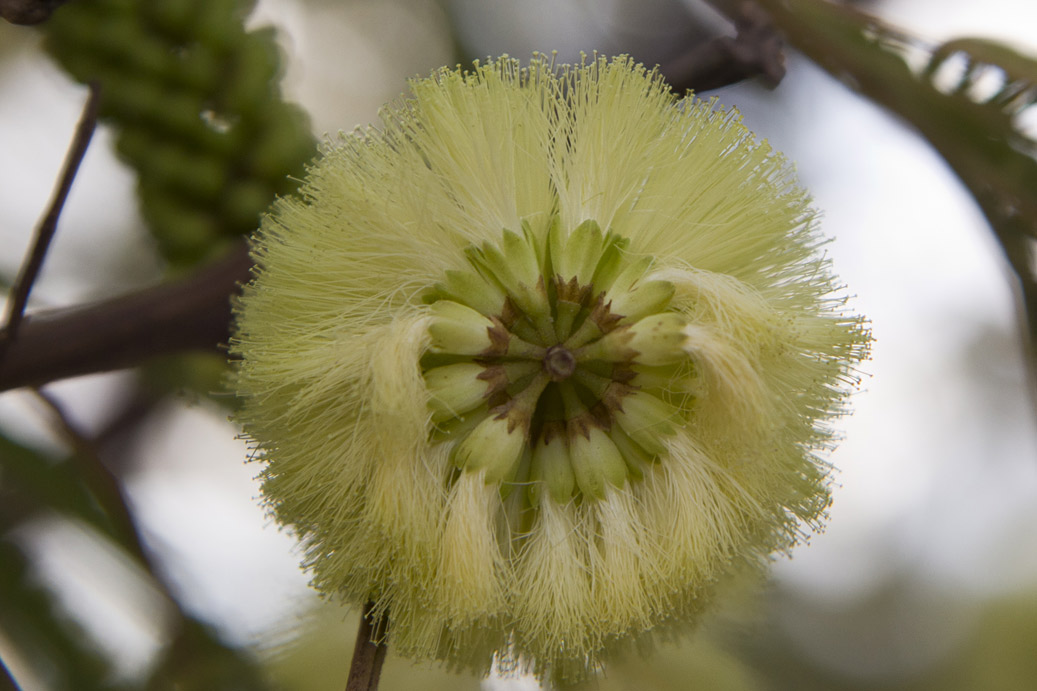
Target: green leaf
(31, 481)
(48, 641)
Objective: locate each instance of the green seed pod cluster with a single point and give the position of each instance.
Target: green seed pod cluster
(197, 109)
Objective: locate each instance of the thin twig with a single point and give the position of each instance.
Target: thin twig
(369, 651)
(49, 223)
(104, 485)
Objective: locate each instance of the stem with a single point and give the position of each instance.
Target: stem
(49, 223)
(369, 651)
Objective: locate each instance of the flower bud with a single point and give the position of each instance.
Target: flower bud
(455, 389)
(577, 254)
(596, 462)
(469, 288)
(516, 267)
(495, 445)
(552, 469)
(648, 297)
(635, 456)
(646, 419)
(659, 339)
(459, 330)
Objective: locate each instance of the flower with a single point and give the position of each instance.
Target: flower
(542, 360)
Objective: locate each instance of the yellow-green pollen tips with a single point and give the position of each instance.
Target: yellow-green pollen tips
(534, 358)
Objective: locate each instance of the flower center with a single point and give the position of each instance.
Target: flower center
(559, 363)
(550, 359)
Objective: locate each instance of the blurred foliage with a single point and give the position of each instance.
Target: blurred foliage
(196, 660)
(36, 486)
(196, 106)
(977, 130)
(699, 663)
(60, 653)
(31, 482)
(1000, 652)
(905, 635)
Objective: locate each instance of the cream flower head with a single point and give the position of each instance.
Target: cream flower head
(536, 364)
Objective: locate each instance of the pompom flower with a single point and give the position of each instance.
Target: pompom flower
(541, 360)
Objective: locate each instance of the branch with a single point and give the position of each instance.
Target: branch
(190, 314)
(756, 50)
(28, 11)
(49, 224)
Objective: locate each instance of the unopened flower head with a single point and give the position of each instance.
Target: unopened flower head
(537, 363)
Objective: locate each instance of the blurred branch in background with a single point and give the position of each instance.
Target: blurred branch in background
(28, 11)
(754, 51)
(976, 127)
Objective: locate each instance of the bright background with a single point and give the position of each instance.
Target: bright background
(935, 514)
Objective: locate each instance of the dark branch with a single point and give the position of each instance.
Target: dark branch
(49, 224)
(190, 314)
(755, 51)
(369, 651)
(28, 11)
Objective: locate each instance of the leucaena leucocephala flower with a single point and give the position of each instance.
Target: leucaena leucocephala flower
(537, 363)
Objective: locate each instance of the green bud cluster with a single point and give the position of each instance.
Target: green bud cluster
(197, 111)
(547, 362)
